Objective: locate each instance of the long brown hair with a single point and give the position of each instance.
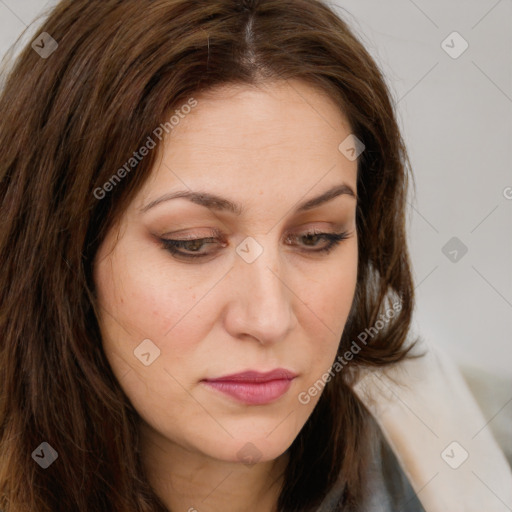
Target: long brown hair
(70, 121)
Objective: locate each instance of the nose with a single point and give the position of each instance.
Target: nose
(261, 299)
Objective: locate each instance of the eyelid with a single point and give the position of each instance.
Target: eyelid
(333, 239)
(216, 232)
(336, 227)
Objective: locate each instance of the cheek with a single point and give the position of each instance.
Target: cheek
(328, 301)
(330, 293)
(140, 302)
(141, 297)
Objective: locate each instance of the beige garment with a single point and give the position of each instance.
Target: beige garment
(438, 434)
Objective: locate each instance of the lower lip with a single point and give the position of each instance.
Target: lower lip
(253, 393)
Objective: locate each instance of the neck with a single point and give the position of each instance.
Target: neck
(189, 481)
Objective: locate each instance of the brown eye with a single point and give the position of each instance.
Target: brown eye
(191, 248)
(313, 237)
(193, 245)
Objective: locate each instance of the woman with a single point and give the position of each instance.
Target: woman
(203, 247)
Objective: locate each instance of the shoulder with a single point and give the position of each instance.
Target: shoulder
(386, 486)
(430, 420)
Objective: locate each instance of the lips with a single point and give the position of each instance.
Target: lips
(253, 387)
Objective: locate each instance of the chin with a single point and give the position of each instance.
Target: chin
(253, 447)
(252, 437)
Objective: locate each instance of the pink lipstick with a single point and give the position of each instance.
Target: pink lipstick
(252, 387)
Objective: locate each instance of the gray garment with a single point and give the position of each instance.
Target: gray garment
(387, 488)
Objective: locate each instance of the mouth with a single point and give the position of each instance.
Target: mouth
(252, 387)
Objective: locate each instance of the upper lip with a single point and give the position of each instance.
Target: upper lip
(255, 376)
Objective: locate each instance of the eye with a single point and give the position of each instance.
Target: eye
(191, 248)
(332, 239)
(193, 245)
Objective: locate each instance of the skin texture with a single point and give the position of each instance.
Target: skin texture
(268, 148)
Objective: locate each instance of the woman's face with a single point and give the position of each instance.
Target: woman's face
(259, 294)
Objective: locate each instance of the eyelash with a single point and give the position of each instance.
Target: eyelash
(333, 240)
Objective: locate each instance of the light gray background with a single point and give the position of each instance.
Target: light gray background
(456, 118)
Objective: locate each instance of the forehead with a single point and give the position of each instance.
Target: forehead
(245, 117)
(281, 137)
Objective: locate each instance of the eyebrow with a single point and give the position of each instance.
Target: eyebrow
(219, 203)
